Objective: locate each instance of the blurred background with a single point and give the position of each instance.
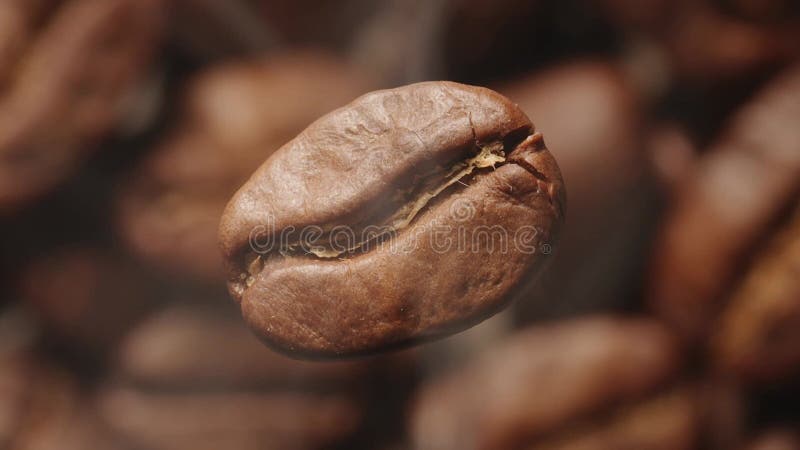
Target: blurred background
(669, 317)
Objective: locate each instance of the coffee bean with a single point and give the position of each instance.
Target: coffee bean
(408, 214)
(725, 207)
(193, 376)
(65, 85)
(758, 332)
(227, 419)
(182, 347)
(665, 422)
(542, 381)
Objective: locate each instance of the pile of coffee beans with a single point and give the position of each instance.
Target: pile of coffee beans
(399, 224)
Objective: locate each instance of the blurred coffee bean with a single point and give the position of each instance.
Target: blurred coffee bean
(666, 422)
(64, 84)
(233, 117)
(193, 376)
(698, 60)
(707, 42)
(777, 439)
(708, 46)
(543, 380)
(86, 298)
(727, 207)
(591, 118)
(18, 22)
(231, 420)
(184, 346)
(759, 330)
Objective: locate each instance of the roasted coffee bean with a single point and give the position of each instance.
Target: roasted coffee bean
(227, 419)
(714, 46)
(759, 330)
(543, 380)
(217, 386)
(726, 206)
(19, 20)
(705, 43)
(684, 417)
(409, 214)
(666, 422)
(66, 85)
(233, 117)
(182, 347)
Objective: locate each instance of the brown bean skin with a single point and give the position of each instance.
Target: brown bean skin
(388, 159)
